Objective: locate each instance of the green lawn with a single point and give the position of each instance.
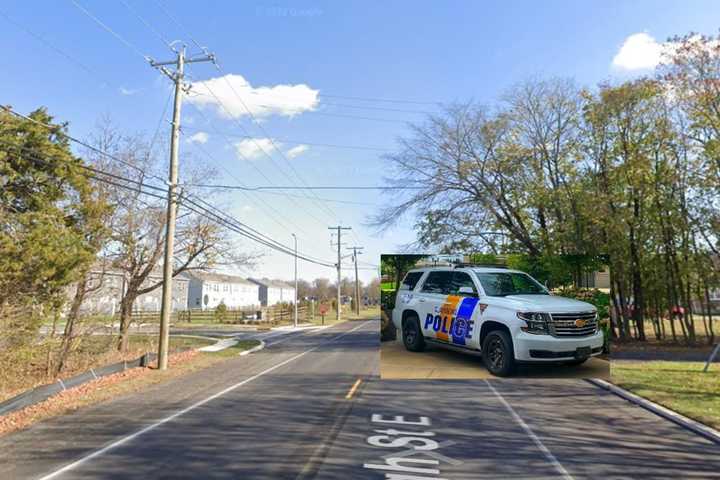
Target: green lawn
(679, 386)
(236, 349)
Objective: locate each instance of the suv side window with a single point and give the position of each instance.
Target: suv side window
(461, 279)
(410, 280)
(437, 282)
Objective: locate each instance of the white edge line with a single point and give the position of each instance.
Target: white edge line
(132, 436)
(546, 451)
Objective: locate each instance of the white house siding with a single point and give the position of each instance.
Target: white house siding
(209, 290)
(106, 299)
(272, 292)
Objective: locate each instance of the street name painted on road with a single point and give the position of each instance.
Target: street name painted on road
(417, 441)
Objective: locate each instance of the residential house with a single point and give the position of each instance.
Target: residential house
(112, 285)
(208, 290)
(272, 292)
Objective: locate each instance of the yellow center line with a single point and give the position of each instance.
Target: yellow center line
(353, 389)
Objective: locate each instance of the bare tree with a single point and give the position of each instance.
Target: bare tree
(138, 223)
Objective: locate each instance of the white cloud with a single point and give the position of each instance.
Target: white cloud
(251, 148)
(127, 91)
(199, 137)
(295, 151)
(640, 51)
(284, 100)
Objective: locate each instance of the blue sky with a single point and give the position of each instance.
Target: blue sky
(411, 51)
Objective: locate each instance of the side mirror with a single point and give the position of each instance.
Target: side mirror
(467, 291)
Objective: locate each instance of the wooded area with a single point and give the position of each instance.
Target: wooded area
(631, 170)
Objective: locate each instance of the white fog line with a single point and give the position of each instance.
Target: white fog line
(177, 414)
(548, 454)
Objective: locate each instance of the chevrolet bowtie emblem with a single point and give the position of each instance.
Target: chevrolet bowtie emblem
(580, 323)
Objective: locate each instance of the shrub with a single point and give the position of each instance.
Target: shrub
(221, 312)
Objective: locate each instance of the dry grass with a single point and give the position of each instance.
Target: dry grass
(25, 368)
(112, 386)
(700, 333)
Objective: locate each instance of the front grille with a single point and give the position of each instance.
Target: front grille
(563, 324)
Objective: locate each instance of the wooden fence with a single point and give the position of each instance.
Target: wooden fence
(276, 314)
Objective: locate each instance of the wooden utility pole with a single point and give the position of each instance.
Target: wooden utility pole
(339, 265)
(356, 251)
(178, 79)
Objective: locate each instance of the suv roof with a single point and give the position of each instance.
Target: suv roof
(450, 268)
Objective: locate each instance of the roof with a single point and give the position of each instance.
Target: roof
(475, 269)
(217, 277)
(264, 282)
(155, 274)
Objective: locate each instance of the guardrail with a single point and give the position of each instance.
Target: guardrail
(39, 394)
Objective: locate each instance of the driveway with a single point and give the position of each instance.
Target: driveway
(442, 363)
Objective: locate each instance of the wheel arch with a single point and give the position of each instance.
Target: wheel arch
(408, 313)
(492, 325)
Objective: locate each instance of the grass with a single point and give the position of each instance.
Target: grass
(347, 314)
(25, 368)
(700, 333)
(387, 286)
(113, 386)
(679, 386)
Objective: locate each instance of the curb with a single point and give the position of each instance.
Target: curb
(254, 349)
(685, 422)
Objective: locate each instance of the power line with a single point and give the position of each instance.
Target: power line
(112, 32)
(260, 148)
(149, 26)
(314, 112)
(302, 142)
(55, 48)
(294, 187)
(384, 100)
(328, 95)
(247, 161)
(58, 131)
(201, 206)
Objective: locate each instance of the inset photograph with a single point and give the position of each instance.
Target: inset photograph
(484, 316)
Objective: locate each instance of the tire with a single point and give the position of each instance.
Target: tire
(412, 335)
(498, 353)
(576, 362)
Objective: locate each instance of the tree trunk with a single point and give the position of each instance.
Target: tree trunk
(711, 337)
(126, 306)
(70, 323)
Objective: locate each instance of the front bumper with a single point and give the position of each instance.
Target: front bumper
(545, 348)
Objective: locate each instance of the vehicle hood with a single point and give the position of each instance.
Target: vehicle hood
(545, 303)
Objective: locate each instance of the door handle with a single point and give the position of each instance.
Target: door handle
(421, 300)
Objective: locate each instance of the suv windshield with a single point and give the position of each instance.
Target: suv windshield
(501, 284)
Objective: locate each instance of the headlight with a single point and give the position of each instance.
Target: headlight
(536, 322)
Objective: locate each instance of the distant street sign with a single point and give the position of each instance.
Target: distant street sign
(324, 308)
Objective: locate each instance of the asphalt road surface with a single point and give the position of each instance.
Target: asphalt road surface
(297, 411)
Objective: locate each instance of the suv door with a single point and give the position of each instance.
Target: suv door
(431, 299)
(463, 325)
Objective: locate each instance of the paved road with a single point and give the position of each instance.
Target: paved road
(283, 414)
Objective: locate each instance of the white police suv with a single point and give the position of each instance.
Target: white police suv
(505, 314)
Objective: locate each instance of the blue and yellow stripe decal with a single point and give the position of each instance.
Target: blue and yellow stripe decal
(453, 322)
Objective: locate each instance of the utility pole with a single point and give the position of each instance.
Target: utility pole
(178, 79)
(296, 282)
(356, 251)
(339, 265)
